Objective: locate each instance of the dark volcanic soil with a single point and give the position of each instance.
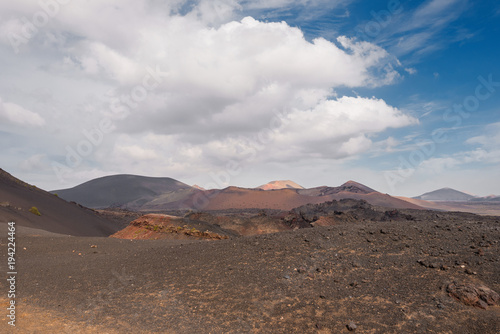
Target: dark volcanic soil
(384, 277)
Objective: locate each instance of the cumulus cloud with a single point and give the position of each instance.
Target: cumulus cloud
(341, 127)
(333, 129)
(223, 79)
(234, 77)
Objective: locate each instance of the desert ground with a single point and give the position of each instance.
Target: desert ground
(393, 276)
(347, 265)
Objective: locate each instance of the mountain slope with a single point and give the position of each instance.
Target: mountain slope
(57, 215)
(445, 194)
(126, 191)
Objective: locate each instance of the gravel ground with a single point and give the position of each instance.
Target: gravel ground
(370, 277)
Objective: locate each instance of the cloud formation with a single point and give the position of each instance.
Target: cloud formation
(16, 114)
(225, 81)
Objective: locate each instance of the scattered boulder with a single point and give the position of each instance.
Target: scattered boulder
(473, 295)
(351, 326)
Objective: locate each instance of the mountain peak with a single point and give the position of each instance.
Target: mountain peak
(282, 184)
(356, 187)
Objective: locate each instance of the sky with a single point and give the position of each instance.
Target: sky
(402, 96)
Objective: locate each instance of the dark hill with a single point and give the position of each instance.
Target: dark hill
(56, 215)
(125, 191)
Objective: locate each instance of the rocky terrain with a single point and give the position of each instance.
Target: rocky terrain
(336, 266)
(248, 222)
(157, 226)
(437, 273)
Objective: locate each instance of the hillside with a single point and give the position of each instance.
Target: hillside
(56, 215)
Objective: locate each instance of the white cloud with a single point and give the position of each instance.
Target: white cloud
(216, 12)
(97, 59)
(34, 163)
(281, 4)
(331, 129)
(411, 70)
(225, 78)
(355, 145)
(341, 127)
(434, 13)
(490, 137)
(135, 152)
(487, 152)
(410, 34)
(18, 115)
(346, 116)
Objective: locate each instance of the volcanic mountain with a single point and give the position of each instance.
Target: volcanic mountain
(445, 195)
(127, 191)
(286, 184)
(287, 199)
(152, 194)
(48, 212)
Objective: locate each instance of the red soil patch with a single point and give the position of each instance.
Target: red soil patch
(157, 226)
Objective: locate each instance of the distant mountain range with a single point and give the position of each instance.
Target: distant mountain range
(158, 194)
(18, 201)
(490, 198)
(448, 199)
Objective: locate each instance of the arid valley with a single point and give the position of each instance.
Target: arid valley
(339, 264)
(249, 166)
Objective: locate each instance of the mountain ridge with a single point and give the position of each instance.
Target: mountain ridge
(156, 194)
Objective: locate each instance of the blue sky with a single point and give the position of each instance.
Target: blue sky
(402, 96)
